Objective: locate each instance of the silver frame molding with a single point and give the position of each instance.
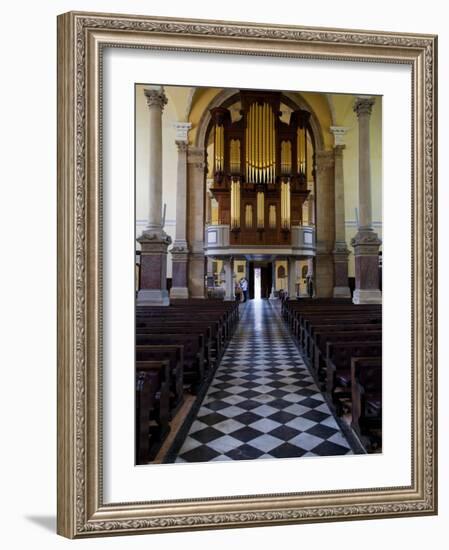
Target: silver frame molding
(81, 37)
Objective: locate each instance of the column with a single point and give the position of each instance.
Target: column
(325, 224)
(366, 242)
(229, 280)
(195, 226)
(209, 272)
(311, 209)
(273, 280)
(154, 241)
(180, 250)
(341, 252)
(209, 184)
(292, 277)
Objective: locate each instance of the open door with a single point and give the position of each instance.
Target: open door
(266, 273)
(251, 280)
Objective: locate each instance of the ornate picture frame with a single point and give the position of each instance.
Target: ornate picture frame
(82, 38)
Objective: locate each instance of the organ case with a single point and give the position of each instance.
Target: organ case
(260, 168)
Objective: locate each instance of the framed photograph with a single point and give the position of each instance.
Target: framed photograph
(246, 274)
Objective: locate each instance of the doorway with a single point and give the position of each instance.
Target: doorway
(260, 280)
(257, 283)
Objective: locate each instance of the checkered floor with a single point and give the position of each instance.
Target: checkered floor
(262, 402)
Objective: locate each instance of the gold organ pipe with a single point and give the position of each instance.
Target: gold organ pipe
(267, 109)
(260, 210)
(262, 139)
(235, 204)
(269, 176)
(260, 109)
(265, 145)
(282, 203)
(257, 138)
(254, 133)
(260, 144)
(218, 148)
(252, 142)
(246, 152)
(271, 141)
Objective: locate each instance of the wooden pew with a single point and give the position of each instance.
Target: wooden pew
(304, 321)
(152, 408)
(317, 331)
(366, 398)
(193, 345)
(322, 338)
(174, 354)
(338, 364)
(212, 345)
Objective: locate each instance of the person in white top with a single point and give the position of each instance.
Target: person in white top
(244, 287)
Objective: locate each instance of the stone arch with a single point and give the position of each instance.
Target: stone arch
(297, 101)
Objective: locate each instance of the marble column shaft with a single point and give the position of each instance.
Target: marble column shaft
(229, 281)
(180, 249)
(292, 278)
(154, 241)
(341, 252)
(195, 221)
(325, 224)
(366, 242)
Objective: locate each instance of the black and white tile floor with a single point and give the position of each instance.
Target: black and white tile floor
(262, 402)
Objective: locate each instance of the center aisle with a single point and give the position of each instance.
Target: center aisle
(262, 402)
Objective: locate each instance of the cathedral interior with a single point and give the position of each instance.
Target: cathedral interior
(258, 274)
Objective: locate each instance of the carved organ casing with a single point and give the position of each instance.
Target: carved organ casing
(260, 169)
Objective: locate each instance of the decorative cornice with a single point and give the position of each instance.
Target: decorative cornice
(363, 105)
(155, 97)
(339, 133)
(253, 30)
(182, 131)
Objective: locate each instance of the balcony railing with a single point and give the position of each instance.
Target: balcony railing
(302, 242)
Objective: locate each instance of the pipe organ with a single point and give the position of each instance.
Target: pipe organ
(261, 166)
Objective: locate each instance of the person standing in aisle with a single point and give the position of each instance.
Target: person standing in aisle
(244, 287)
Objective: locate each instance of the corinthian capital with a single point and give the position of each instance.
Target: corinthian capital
(324, 161)
(363, 105)
(182, 146)
(182, 131)
(155, 97)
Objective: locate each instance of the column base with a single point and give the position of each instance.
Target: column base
(272, 296)
(342, 292)
(152, 297)
(367, 296)
(179, 293)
